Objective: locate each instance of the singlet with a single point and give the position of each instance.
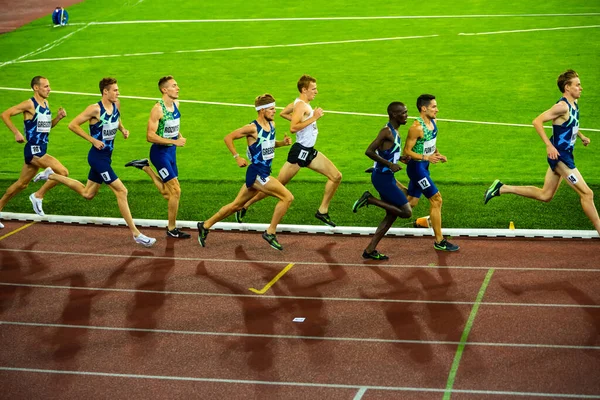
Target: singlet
(168, 126)
(263, 150)
(106, 127)
(392, 154)
(564, 135)
(426, 145)
(307, 137)
(37, 129)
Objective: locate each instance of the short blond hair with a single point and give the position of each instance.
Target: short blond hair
(263, 99)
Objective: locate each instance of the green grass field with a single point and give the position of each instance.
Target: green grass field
(504, 78)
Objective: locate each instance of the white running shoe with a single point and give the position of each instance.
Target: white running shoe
(37, 205)
(1, 225)
(144, 240)
(43, 176)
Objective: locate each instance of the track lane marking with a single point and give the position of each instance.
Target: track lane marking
(273, 281)
(17, 230)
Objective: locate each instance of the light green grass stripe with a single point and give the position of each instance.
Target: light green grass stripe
(465, 335)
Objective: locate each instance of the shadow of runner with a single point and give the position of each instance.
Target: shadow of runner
(401, 317)
(145, 305)
(580, 297)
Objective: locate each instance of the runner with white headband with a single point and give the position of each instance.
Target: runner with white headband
(260, 135)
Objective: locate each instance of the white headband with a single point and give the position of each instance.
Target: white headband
(258, 108)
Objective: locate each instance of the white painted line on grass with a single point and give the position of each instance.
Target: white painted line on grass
(360, 114)
(44, 48)
(308, 263)
(307, 298)
(228, 49)
(350, 18)
(559, 28)
(297, 337)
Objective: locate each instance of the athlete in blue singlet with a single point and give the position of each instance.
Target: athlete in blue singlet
(421, 147)
(164, 134)
(565, 130)
(260, 136)
(105, 120)
(385, 151)
(38, 122)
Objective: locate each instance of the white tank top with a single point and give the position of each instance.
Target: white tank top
(307, 137)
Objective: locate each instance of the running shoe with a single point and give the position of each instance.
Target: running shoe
(43, 176)
(272, 240)
(325, 218)
(202, 234)
(37, 205)
(239, 215)
(1, 225)
(493, 191)
(178, 234)
(144, 240)
(362, 202)
(140, 164)
(374, 255)
(445, 245)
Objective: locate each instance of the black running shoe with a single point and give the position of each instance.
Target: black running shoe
(445, 245)
(363, 201)
(374, 255)
(239, 215)
(202, 234)
(138, 163)
(272, 240)
(493, 191)
(325, 218)
(177, 234)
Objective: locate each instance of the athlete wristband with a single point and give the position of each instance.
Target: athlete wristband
(236, 156)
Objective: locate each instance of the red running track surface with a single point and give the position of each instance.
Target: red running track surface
(87, 313)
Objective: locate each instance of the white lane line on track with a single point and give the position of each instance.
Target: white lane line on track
(298, 337)
(307, 298)
(308, 263)
(257, 47)
(558, 28)
(298, 384)
(217, 103)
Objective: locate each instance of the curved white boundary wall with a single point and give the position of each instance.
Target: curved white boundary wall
(344, 230)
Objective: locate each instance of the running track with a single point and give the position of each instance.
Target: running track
(86, 313)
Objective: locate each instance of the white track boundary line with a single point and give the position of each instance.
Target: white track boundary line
(307, 298)
(356, 18)
(298, 384)
(300, 337)
(559, 28)
(257, 47)
(44, 48)
(307, 263)
(360, 114)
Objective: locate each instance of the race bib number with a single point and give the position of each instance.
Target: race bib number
(396, 158)
(44, 123)
(261, 180)
(163, 172)
(36, 149)
(303, 154)
(572, 178)
(429, 147)
(109, 131)
(268, 149)
(106, 176)
(424, 183)
(574, 135)
(171, 130)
